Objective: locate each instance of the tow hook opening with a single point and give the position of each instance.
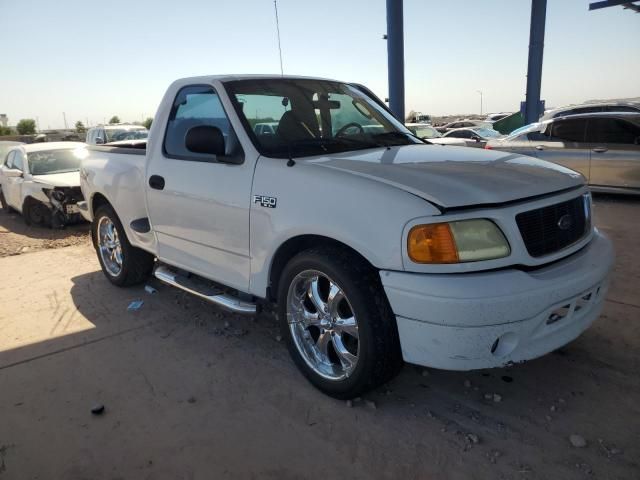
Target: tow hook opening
(558, 314)
(504, 344)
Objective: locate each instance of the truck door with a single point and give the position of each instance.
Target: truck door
(198, 204)
(615, 152)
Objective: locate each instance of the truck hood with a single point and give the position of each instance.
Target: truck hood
(456, 176)
(67, 179)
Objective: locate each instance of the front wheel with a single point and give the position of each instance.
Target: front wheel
(122, 263)
(36, 213)
(339, 327)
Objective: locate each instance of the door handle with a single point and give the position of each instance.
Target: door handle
(600, 149)
(539, 147)
(156, 182)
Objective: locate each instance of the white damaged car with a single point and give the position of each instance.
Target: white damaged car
(42, 182)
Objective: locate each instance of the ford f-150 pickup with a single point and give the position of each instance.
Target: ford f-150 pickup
(375, 246)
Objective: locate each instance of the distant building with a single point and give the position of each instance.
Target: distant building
(4, 120)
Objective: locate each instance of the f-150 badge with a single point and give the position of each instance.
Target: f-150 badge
(269, 202)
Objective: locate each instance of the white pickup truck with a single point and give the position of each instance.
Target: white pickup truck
(376, 246)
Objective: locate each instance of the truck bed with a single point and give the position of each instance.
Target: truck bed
(117, 170)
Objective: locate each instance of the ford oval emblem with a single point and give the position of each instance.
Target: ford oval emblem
(565, 222)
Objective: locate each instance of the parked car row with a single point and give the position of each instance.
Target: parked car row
(103, 134)
(494, 117)
(473, 137)
(429, 133)
(463, 124)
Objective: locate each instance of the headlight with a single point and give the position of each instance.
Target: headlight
(455, 242)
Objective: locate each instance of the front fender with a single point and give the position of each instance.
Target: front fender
(363, 214)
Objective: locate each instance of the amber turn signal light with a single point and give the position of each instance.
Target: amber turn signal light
(433, 243)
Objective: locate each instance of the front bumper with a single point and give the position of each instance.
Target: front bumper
(489, 319)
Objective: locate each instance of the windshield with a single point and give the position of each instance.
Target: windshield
(46, 162)
(118, 134)
(300, 117)
(487, 132)
(425, 132)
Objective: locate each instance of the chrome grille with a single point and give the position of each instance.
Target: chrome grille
(549, 229)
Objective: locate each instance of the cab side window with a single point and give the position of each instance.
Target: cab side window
(569, 130)
(194, 106)
(613, 130)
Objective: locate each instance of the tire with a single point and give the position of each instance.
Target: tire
(360, 295)
(36, 213)
(122, 263)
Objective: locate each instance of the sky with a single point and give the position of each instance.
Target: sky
(94, 60)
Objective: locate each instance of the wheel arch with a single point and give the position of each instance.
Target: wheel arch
(26, 201)
(294, 245)
(30, 200)
(98, 200)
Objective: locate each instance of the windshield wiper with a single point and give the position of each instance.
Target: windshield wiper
(326, 142)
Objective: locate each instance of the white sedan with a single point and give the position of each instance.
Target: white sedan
(42, 182)
(430, 134)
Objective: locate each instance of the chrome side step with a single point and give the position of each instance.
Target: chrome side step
(209, 293)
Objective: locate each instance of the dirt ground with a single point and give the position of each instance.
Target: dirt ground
(16, 237)
(194, 393)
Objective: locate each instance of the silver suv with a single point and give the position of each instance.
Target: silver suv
(604, 147)
(591, 108)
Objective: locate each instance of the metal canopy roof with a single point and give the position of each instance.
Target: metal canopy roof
(634, 5)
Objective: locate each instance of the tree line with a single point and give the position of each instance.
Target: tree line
(27, 126)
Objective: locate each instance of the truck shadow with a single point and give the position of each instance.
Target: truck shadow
(175, 350)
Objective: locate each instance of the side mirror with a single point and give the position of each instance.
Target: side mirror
(99, 141)
(205, 139)
(12, 172)
(476, 138)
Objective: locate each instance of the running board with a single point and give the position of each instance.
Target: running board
(209, 293)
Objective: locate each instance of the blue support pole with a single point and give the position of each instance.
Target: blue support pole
(395, 53)
(533, 106)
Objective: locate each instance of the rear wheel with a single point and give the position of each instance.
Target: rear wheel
(339, 327)
(122, 263)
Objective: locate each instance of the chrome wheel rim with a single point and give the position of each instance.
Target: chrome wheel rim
(322, 324)
(109, 246)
